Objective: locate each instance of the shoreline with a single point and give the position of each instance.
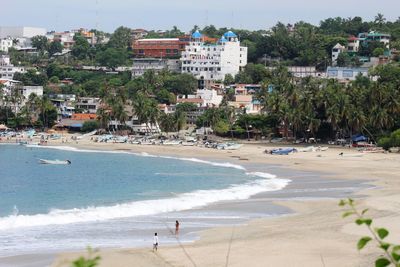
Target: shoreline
(378, 168)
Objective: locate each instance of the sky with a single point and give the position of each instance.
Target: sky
(107, 15)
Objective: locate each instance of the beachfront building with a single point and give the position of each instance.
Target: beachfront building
(345, 73)
(7, 70)
(244, 100)
(210, 62)
(141, 65)
(88, 104)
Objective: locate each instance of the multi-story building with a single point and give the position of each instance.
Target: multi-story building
(21, 32)
(375, 36)
(7, 70)
(65, 38)
(141, 65)
(336, 50)
(6, 43)
(213, 61)
(88, 104)
(353, 44)
(158, 48)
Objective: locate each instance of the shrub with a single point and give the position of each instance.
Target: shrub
(89, 126)
(390, 141)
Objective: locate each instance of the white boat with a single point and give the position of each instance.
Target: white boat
(54, 162)
(188, 143)
(172, 142)
(307, 149)
(232, 146)
(229, 146)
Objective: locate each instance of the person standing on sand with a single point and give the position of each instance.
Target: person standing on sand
(155, 242)
(176, 227)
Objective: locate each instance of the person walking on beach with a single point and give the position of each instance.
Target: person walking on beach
(155, 242)
(176, 227)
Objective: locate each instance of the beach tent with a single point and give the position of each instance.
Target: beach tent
(359, 138)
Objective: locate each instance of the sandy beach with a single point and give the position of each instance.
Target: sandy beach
(313, 235)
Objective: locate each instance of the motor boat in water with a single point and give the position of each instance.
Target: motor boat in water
(55, 162)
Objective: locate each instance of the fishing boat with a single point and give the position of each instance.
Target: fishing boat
(232, 146)
(172, 142)
(283, 151)
(55, 162)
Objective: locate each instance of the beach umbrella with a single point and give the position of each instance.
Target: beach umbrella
(3, 127)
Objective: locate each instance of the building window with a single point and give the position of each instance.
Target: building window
(347, 73)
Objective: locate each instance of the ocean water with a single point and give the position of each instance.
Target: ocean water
(113, 199)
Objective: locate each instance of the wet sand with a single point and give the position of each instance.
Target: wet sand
(311, 234)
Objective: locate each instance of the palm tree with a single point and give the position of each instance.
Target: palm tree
(103, 116)
(379, 19)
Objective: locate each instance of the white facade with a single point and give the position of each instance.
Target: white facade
(5, 44)
(28, 90)
(345, 74)
(7, 70)
(210, 97)
(141, 65)
(336, 50)
(213, 61)
(21, 32)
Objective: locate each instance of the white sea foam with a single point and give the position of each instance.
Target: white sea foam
(181, 202)
(185, 201)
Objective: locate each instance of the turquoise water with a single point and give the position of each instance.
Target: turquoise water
(112, 199)
(97, 179)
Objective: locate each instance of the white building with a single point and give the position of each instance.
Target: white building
(345, 74)
(28, 90)
(6, 43)
(210, 97)
(7, 70)
(21, 32)
(141, 65)
(213, 61)
(336, 50)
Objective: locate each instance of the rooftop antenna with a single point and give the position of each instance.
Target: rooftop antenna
(97, 15)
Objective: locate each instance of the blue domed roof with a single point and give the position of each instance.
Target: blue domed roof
(197, 35)
(223, 39)
(230, 34)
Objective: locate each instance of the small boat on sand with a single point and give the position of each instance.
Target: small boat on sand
(283, 151)
(55, 162)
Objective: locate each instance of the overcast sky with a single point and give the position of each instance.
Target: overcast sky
(163, 14)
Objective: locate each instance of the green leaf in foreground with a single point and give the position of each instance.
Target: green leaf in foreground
(385, 246)
(382, 262)
(396, 253)
(363, 241)
(364, 211)
(382, 232)
(348, 213)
